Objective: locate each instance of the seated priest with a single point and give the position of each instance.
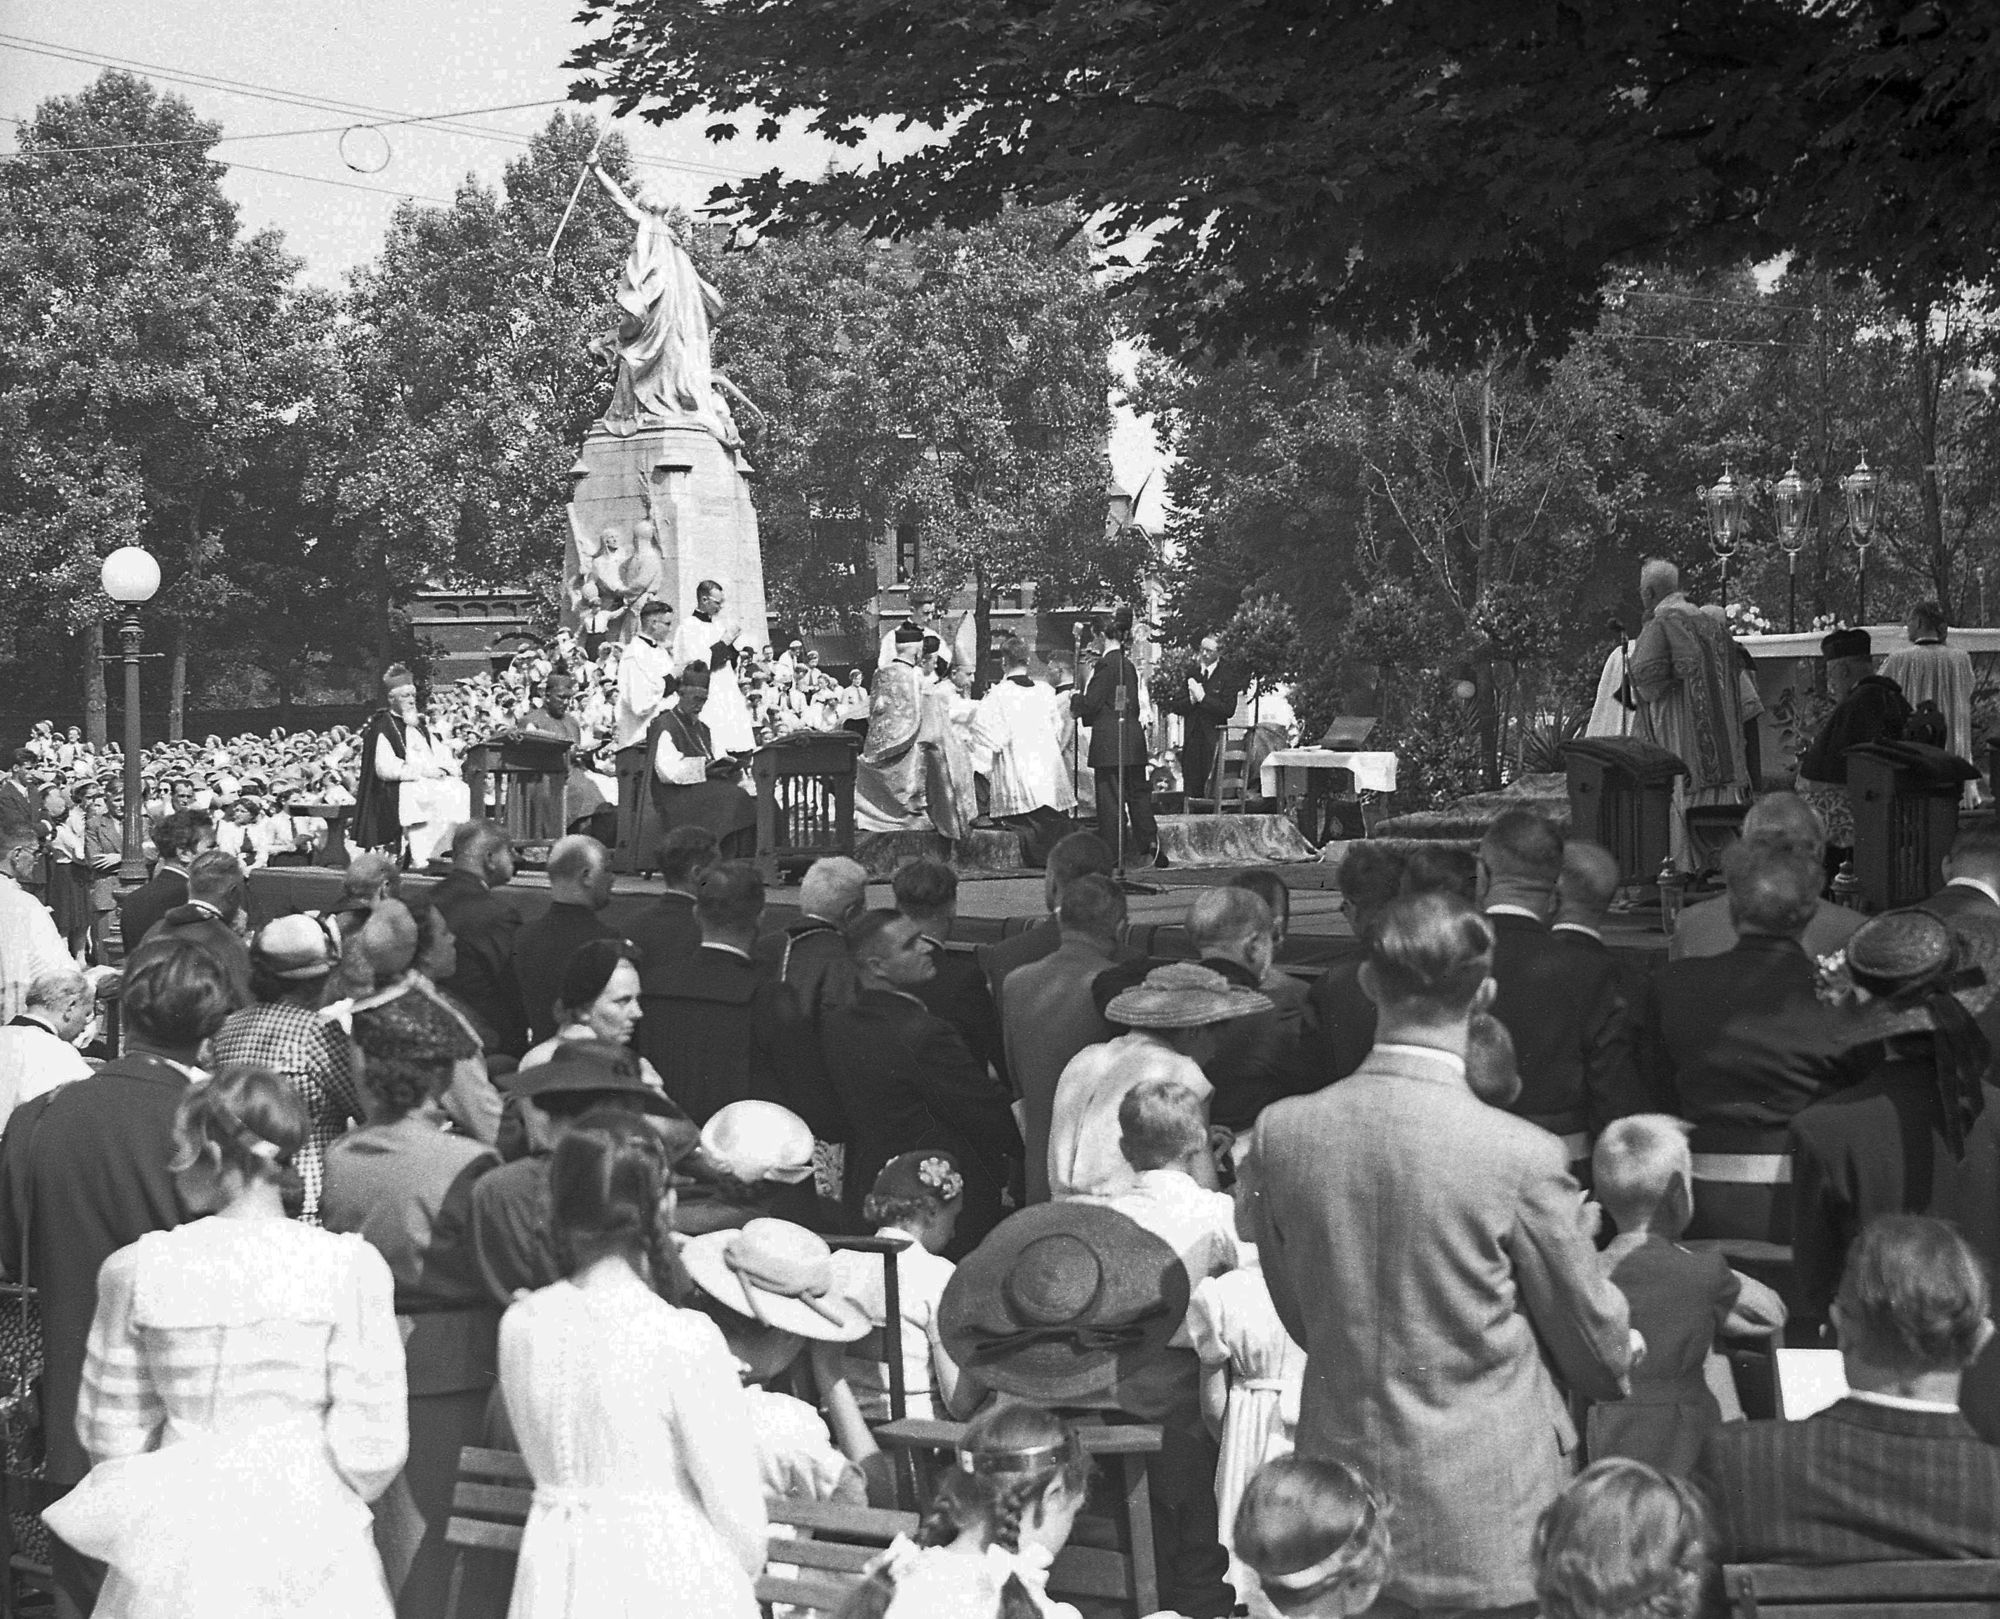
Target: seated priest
(693, 784)
(1868, 708)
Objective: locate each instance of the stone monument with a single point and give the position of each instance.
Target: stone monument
(662, 493)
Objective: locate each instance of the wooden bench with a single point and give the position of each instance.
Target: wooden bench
(1107, 1558)
(1940, 1589)
(826, 1545)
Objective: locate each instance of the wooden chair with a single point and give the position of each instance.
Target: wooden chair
(825, 1545)
(1228, 789)
(1928, 1590)
(1106, 1559)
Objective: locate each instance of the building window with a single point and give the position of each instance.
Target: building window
(906, 553)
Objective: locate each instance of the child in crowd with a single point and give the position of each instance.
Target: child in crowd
(1490, 1069)
(915, 1202)
(1680, 1299)
(1623, 1542)
(1314, 1538)
(770, 1287)
(1163, 1135)
(1251, 1376)
(995, 1525)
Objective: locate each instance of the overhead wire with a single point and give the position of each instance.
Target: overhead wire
(241, 87)
(277, 134)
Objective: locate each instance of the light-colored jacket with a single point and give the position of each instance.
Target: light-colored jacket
(1426, 1250)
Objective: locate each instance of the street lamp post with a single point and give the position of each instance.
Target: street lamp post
(131, 578)
(1792, 495)
(1727, 502)
(1861, 487)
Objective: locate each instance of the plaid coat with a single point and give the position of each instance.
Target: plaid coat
(1426, 1251)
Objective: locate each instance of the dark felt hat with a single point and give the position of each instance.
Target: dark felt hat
(1060, 1298)
(1902, 958)
(580, 1067)
(1846, 644)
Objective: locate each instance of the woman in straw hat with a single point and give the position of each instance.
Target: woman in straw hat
(1920, 1132)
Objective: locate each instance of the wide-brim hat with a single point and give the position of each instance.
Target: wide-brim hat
(776, 1273)
(1183, 995)
(759, 1141)
(1903, 958)
(1059, 1299)
(590, 1067)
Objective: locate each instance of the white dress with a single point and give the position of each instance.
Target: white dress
(936, 1582)
(243, 1400)
(647, 1499)
(1233, 1322)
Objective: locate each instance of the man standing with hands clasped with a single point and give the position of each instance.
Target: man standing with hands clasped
(1109, 705)
(645, 681)
(1434, 1258)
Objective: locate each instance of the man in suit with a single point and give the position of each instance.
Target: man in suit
(811, 954)
(1213, 691)
(19, 801)
(1430, 1255)
(1892, 1471)
(1789, 822)
(83, 1172)
(482, 859)
(1341, 1017)
(668, 930)
(1078, 855)
(1583, 898)
(717, 1028)
(178, 837)
(1570, 1023)
(579, 889)
(1052, 1013)
(926, 893)
(907, 1080)
(213, 918)
(1742, 1039)
(1971, 875)
(1109, 705)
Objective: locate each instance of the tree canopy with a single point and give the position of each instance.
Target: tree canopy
(1462, 172)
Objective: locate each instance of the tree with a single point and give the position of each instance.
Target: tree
(138, 345)
(1462, 171)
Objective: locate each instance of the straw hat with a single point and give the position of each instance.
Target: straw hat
(296, 947)
(777, 1273)
(1903, 958)
(1183, 995)
(1059, 1298)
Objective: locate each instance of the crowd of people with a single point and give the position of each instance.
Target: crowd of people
(532, 1178)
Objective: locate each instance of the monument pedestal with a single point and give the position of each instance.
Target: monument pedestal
(696, 494)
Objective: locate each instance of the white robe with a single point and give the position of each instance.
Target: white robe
(727, 715)
(1026, 727)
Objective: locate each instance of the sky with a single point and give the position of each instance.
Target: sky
(271, 67)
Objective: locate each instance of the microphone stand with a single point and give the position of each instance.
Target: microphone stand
(1075, 731)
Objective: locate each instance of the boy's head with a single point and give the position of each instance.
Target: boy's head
(1160, 1126)
(1490, 1068)
(1643, 1174)
(921, 1193)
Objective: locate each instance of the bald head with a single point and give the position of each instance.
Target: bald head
(1658, 579)
(1234, 924)
(579, 872)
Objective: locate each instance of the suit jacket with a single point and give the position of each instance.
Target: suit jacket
(907, 1080)
(1342, 1019)
(958, 994)
(1706, 930)
(95, 1180)
(1112, 744)
(218, 938)
(720, 1031)
(1740, 1038)
(668, 930)
(1855, 1483)
(139, 912)
(998, 960)
(1051, 1015)
(1953, 901)
(15, 805)
(542, 949)
(812, 956)
(484, 925)
(1571, 1029)
(1425, 1250)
